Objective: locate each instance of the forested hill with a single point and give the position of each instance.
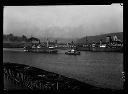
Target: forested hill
(13, 38)
(98, 37)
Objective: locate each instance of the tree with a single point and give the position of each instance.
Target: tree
(10, 37)
(24, 38)
(72, 42)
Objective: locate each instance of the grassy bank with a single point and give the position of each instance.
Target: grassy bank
(38, 79)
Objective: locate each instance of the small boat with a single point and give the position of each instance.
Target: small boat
(72, 52)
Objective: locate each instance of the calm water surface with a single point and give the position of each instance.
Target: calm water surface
(101, 69)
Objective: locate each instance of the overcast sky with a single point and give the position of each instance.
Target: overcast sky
(66, 21)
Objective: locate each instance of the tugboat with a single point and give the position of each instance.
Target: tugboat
(72, 52)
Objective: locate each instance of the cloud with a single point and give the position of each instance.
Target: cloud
(63, 21)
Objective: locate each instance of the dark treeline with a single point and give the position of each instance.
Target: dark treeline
(13, 38)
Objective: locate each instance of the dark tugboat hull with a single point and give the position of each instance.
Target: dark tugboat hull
(78, 53)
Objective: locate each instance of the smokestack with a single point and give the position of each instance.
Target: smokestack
(47, 43)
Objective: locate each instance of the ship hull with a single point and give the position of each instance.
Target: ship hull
(42, 50)
(100, 49)
(69, 53)
(83, 48)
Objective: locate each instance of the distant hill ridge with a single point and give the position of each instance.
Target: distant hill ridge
(98, 37)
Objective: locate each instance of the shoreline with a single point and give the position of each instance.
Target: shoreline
(50, 79)
(91, 49)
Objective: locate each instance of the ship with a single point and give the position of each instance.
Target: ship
(107, 49)
(83, 48)
(38, 48)
(50, 50)
(110, 45)
(72, 52)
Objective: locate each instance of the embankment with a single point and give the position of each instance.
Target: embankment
(38, 79)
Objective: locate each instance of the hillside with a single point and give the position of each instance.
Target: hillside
(98, 37)
(60, 40)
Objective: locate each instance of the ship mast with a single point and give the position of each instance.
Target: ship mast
(47, 42)
(86, 40)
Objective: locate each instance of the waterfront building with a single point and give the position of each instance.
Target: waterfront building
(115, 38)
(34, 40)
(108, 39)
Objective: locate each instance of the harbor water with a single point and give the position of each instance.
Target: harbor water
(101, 69)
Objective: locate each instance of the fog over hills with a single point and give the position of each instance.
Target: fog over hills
(98, 37)
(66, 22)
(67, 40)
